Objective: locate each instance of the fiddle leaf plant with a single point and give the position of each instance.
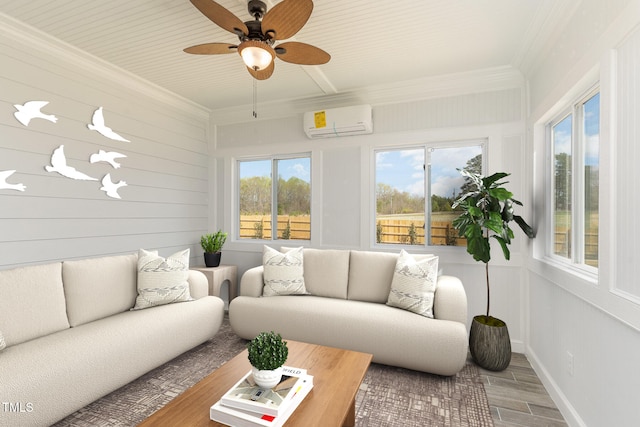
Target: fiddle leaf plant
(487, 210)
(267, 351)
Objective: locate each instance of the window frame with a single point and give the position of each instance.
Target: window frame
(427, 147)
(576, 261)
(273, 159)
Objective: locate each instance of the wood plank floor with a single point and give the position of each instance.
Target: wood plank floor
(518, 398)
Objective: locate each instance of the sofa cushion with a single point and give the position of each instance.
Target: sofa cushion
(99, 287)
(371, 274)
(3, 344)
(162, 280)
(414, 284)
(326, 272)
(283, 272)
(32, 303)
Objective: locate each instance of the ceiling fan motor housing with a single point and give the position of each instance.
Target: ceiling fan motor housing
(257, 8)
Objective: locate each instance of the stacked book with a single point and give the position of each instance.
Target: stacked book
(247, 405)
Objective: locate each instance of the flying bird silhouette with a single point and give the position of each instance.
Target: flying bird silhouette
(59, 164)
(111, 188)
(6, 186)
(109, 157)
(99, 126)
(31, 110)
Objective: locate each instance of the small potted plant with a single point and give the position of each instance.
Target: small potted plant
(487, 210)
(267, 354)
(212, 245)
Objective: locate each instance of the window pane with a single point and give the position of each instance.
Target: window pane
(255, 199)
(400, 197)
(294, 198)
(591, 114)
(562, 184)
(446, 184)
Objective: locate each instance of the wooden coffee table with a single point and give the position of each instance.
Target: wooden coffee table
(337, 375)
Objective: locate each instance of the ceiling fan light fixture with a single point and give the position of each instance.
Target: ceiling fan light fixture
(256, 54)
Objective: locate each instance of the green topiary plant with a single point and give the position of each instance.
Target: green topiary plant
(267, 351)
(212, 243)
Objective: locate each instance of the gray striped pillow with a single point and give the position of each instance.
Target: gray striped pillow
(414, 284)
(162, 281)
(283, 273)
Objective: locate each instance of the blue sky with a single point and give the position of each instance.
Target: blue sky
(562, 132)
(403, 169)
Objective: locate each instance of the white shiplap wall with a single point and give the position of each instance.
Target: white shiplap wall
(164, 206)
(570, 313)
(627, 155)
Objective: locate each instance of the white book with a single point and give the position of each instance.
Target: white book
(238, 418)
(248, 396)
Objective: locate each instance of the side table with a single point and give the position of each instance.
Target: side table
(218, 275)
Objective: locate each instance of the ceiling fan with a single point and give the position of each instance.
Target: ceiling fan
(257, 37)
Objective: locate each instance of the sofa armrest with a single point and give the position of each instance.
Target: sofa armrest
(450, 301)
(198, 284)
(252, 282)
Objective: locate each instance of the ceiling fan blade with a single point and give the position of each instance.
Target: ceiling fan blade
(286, 18)
(301, 53)
(221, 16)
(211, 49)
(262, 74)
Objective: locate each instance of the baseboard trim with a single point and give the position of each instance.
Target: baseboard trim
(571, 416)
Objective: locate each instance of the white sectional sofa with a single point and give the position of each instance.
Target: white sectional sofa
(346, 308)
(71, 338)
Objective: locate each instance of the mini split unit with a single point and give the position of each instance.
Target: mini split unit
(345, 121)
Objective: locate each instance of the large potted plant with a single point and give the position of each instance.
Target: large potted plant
(267, 353)
(487, 210)
(212, 245)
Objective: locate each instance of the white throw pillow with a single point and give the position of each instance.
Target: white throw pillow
(414, 284)
(2, 343)
(162, 281)
(283, 273)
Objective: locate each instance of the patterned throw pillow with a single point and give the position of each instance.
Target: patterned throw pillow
(283, 273)
(3, 344)
(162, 281)
(414, 284)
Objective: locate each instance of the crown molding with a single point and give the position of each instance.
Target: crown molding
(445, 86)
(47, 45)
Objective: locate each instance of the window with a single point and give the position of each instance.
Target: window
(574, 171)
(404, 176)
(283, 205)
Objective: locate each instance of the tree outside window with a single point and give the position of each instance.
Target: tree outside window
(404, 176)
(290, 195)
(575, 141)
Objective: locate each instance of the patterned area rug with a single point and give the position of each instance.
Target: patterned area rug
(389, 396)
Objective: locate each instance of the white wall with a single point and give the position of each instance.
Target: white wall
(164, 206)
(343, 176)
(597, 322)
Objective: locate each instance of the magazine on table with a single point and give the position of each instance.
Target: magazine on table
(246, 395)
(243, 418)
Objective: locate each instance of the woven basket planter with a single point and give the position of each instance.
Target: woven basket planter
(489, 343)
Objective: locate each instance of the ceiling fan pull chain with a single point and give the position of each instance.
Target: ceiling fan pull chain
(255, 98)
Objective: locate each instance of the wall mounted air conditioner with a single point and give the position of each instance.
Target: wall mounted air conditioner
(344, 121)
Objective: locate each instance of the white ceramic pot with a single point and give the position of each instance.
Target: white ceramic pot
(267, 379)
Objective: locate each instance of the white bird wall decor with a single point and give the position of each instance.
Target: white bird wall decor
(59, 164)
(97, 124)
(31, 110)
(109, 157)
(4, 185)
(110, 187)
